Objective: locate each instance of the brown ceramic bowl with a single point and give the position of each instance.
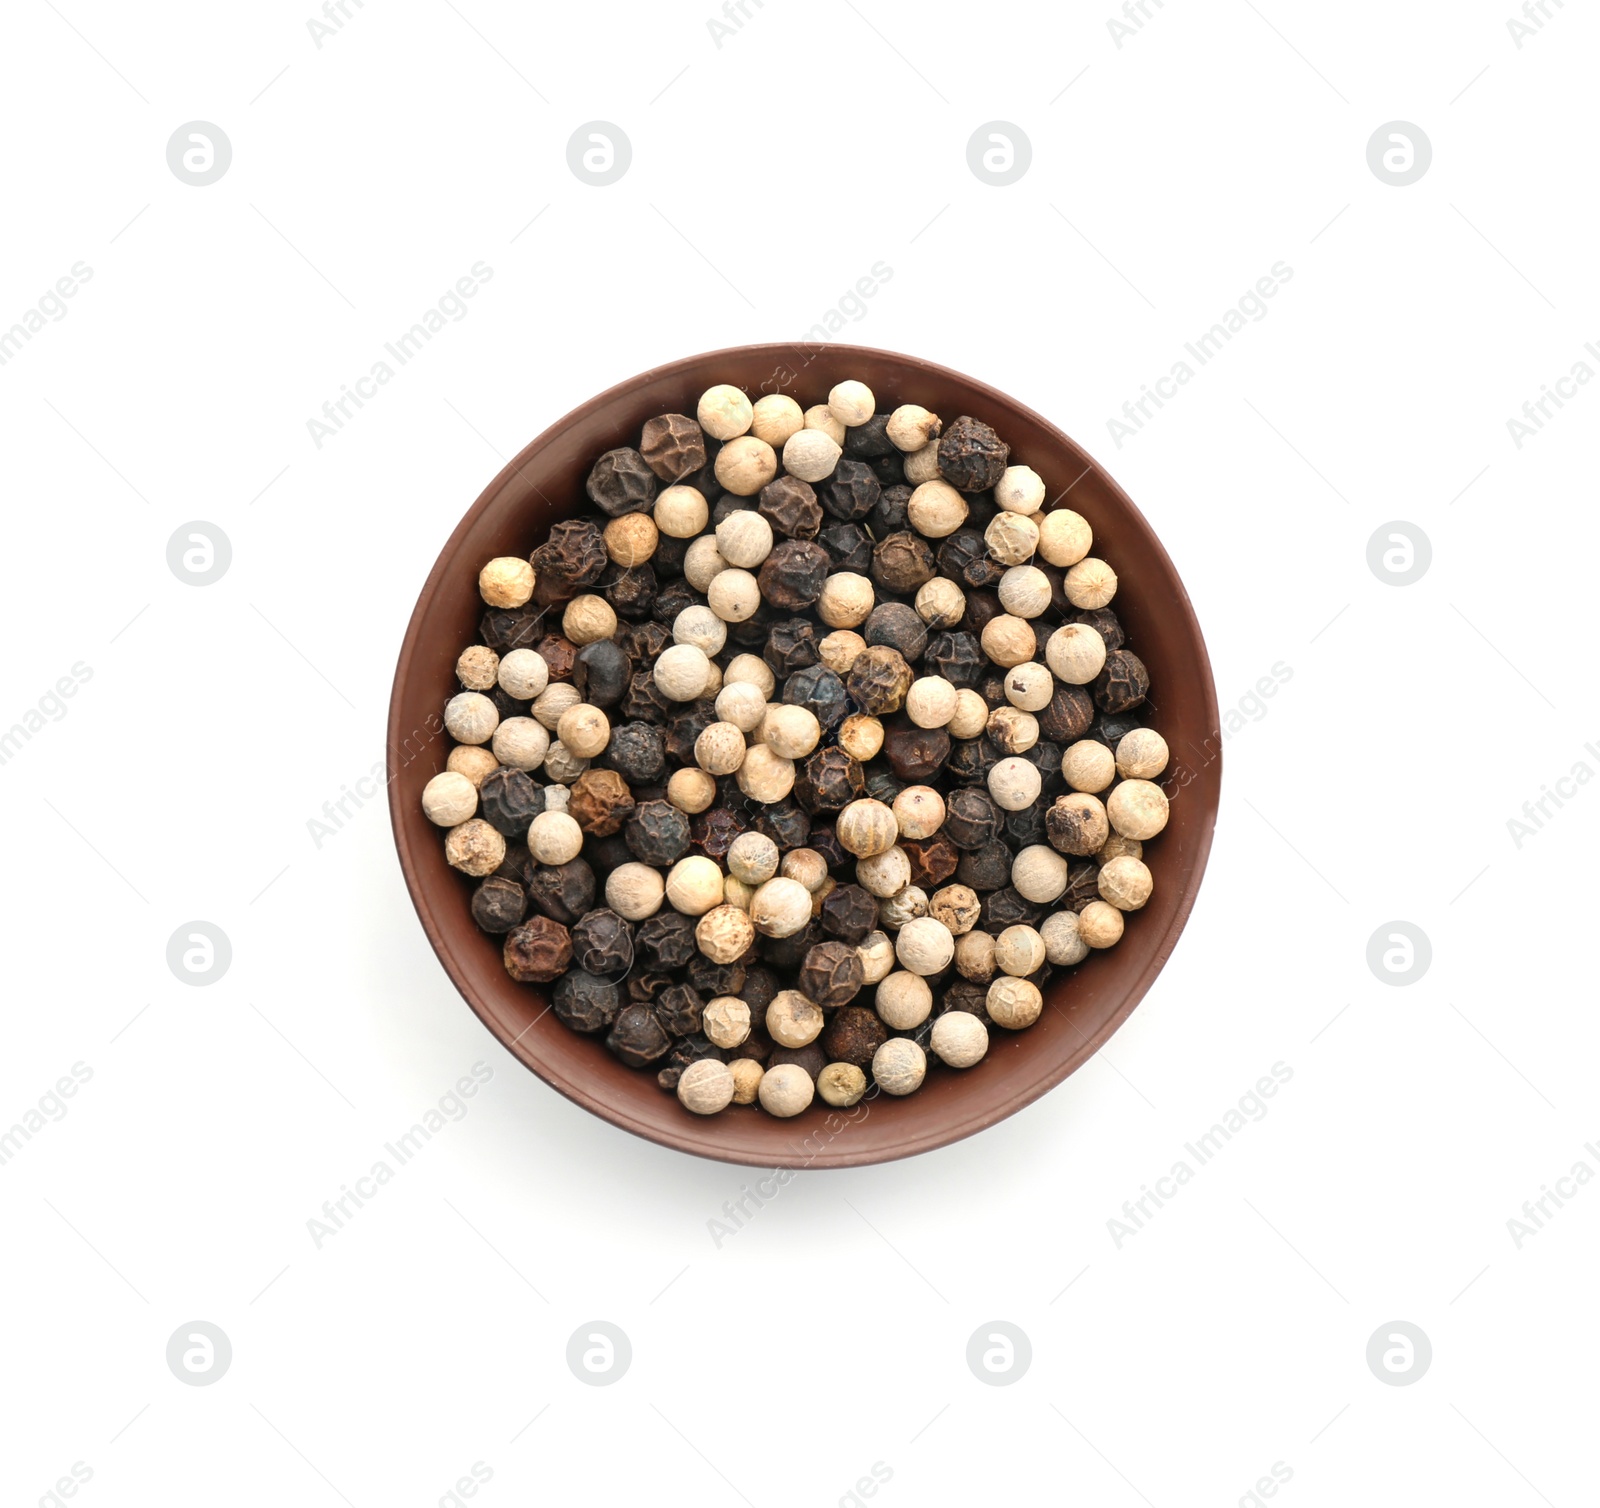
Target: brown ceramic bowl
(1083, 1005)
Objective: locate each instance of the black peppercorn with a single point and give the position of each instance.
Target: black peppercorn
(559, 653)
(507, 705)
(584, 1002)
(809, 1057)
(896, 626)
(600, 802)
(878, 680)
(964, 558)
(1112, 727)
(889, 514)
(971, 759)
(848, 547)
(933, 860)
(829, 781)
(870, 440)
(714, 979)
(1068, 716)
(785, 822)
(506, 628)
(819, 689)
(686, 726)
(1083, 886)
(621, 482)
(826, 842)
(791, 645)
(761, 988)
(637, 752)
(849, 913)
(986, 868)
(665, 940)
(498, 904)
(602, 943)
(915, 754)
(641, 642)
(791, 577)
(632, 592)
(1026, 828)
(691, 1049)
(956, 656)
(673, 446)
(787, 953)
(636, 1037)
(668, 560)
(643, 988)
(713, 832)
(851, 492)
(538, 951)
(1006, 908)
(645, 702)
(791, 507)
(679, 1009)
(606, 854)
(672, 599)
(657, 833)
(1045, 757)
(508, 801)
(853, 1036)
(573, 557)
(515, 863)
(971, 818)
(1122, 685)
(882, 785)
(992, 688)
(964, 995)
(901, 562)
(563, 892)
(972, 456)
(982, 608)
(1104, 622)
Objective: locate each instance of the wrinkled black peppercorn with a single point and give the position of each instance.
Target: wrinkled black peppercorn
(971, 759)
(972, 456)
(679, 1008)
(869, 440)
(786, 822)
(971, 818)
(819, 689)
(1006, 908)
(829, 781)
(1122, 685)
(508, 801)
(791, 577)
(791, 507)
(585, 1003)
(498, 904)
(853, 1036)
(574, 556)
(889, 514)
(1104, 622)
(645, 701)
(602, 943)
(601, 673)
(506, 628)
(902, 562)
(673, 446)
(956, 656)
(665, 940)
(713, 832)
(964, 558)
(714, 979)
(915, 754)
(563, 892)
(849, 913)
(657, 833)
(848, 547)
(791, 646)
(621, 482)
(896, 626)
(986, 868)
(687, 724)
(636, 1037)
(851, 492)
(1068, 716)
(637, 752)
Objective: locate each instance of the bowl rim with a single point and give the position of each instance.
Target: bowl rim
(617, 1113)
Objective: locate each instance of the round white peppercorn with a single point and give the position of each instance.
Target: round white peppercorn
(694, 885)
(1012, 539)
(726, 1021)
(713, 681)
(876, 952)
(555, 838)
(1010, 729)
(775, 417)
(724, 934)
(790, 731)
(703, 562)
(904, 1000)
(919, 811)
(931, 701)
(807, 867)
(866, 828)
(449, 799)
(899, 1066)
(477, 668)
(553, 701)
(633, 891)
(1137, 809)
(975, 957)
(847, 599)
(1116, 847)
(471, 718)
(1039, 874)
(940, 603)
(1141, 754)
(744, 539)
(475, 848)
(1090, 584)
(521, 743)
(851, 403)
(691, 791)
(1024, 591)
(911, 427)
(1078, 823)
(925, 946)
(584, 731)
(786, 1090)
(472, 760)
(841, 1085)
(506, 582)
(752, 670)
(861, 737)
(720, 749)
(706, 1087)
(588, 618)
(737, 894)
(699, 626)
(1015, 783)
(820, 417)
(922, 465)
(840, 649)
(745, 465)
(793, 1020)
(1008, 640)
(1125, 883)
(1075, 653)
(563, 766)
(1019, 490)
(810, 454)
(631, 540)
(1088, 765)
(780, 908)
(959, 1039)
(765, 776)
(747, 1077)
(958, 907)
(753, 857)
(524, 674)
(681, 512)
(1019, 950)
(903, 906)
(884, 873)
(936, 509)
(743, 705)
(971, 716)
(1100, 925)
(1014, 1003)
(1030, 686)
(1065, 537)
(1062, 945)
(724, 412)
(681, 672)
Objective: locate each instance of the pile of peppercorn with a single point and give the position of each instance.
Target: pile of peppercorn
(832, 759)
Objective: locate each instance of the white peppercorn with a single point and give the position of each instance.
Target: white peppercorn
(1008, 640)
(1010, 729)
(724, 412)
(780, 908)
(1012, 538)
(807, 867)
(556, 797)
(840, 649)
(471, 718)
(1076, 653)
(475, 848)
(744, 539)
(1019, 490)
(681, 511)
(1125, 883)
(726, 1021)
(790, 731)
(563, 766)
(958, 907)
(931, 701)
(786, 1090)
(902, 907)
(522, 743)
(747, 1077)
(1090, 584)
(820, 417)
(1013, 1003)
(745, 465)
(753, 858)
(449, 799)
(925, 946)
(940, 603)
(1116, 846)
(681, 672)
(936, 509)
(691, 791)
(1100, 925)
(974, 957)
(472, 760)
(506, 582)
(1062, 945)
(584, 731)
(919, 811)
(555, 838)
(699, 626)
(1088, 765)
(899, 1066)
(861, 737)
(524, 674)
(477, 668)
(851, 403)
(1024, 591)
(706, 1086)
(694, 885)
(1015, 783)
(737, 894)
(959, 1039)
(1137, 809)
(923, 465)
(775, 417)
(631, 540)
(841, 1085)
(1039, 874)
(1019, 950)
(866, 828)
(876, 952)
(847, 599)
(765, 776)
(1030, 686)
(810, 454)
(911, 427)
(971, 715)
(587, 619)
(904, 1001)
(793, 1020)
(703, 563)
(633, 891)
(724, 934)
(1141, 754)
(882, 874)
(720, 749)
(553, 701)
(734, 595)
(1077, 823)
(752, 670)
(1065, 537)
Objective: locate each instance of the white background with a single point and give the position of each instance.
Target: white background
(768, 174)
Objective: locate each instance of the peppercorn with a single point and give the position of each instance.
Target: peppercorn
(879, 680)
(820, 691)
(933, 859)
(982, 609)
(788, 953)
(1123, 684)
(915, 754)
(971, 455)
(1025, 828)
(563, 892)
(637, 752)
(1104, 622)
(883, 786)
(826, 842)
(853, 1035)
(537, 951)
(504, 629)
(671, 600)
(848, 547)
(849, 913)
(1083, 886)
(956, 657)
(832, 974)
(508, 800)
(1069, 715)
(679, 1009)
(971, 818)
(963, 557)
(786, 822)
(870, 439)
(702, 1081)
(574, 556)
(831, 781)
(851, 492)
(985, 868)
(900, 1066)
(792, 576)
(601, 672)
(791, 645)
(791, 507)
(688, 723)
(673, 446)
(964, 995)
(636, 1037)
(712, 979)
(657, 833)
(1076, 824)
(1008, 907)
(888, 514)
(498, 904)
(515, 864)
(606, 854)
(672, 554)
(665, 940)
(810, 1059)
(600, 802)
(602, 943)
(585, 1003)
(621, 482)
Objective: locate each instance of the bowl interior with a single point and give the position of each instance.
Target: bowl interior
(1084, 1005)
